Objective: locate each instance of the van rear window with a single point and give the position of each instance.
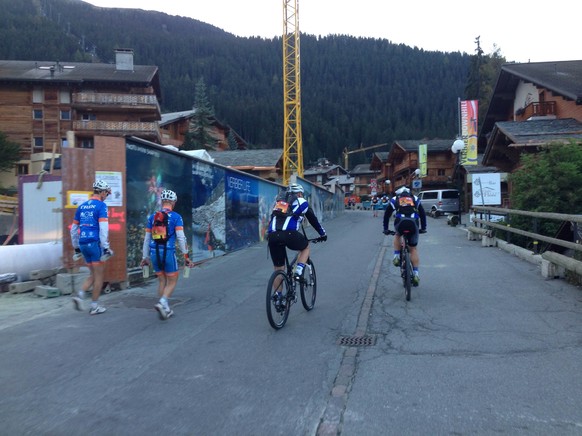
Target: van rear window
(450, 194)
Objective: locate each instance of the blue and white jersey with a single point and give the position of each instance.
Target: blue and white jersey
(91, 223)
(300, 211)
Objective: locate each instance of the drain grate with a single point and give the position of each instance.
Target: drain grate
(357, 341)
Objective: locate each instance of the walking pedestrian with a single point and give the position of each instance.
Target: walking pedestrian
(90, 239)
(164, 229)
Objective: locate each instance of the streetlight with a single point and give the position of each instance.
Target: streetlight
(456, 148)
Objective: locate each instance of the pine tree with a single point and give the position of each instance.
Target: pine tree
(198, 136)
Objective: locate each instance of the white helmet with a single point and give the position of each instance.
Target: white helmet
(100, 185)
(168, 195)
(295, 187)
(402, 190)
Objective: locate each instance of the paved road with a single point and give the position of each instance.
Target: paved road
(486, 346)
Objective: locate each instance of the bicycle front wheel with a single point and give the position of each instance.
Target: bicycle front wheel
(278, 305)
(308, 286)
(407, 275)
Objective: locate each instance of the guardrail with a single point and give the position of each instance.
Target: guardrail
(553, 264)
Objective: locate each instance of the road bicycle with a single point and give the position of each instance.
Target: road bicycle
(281, 290)
(406, 270)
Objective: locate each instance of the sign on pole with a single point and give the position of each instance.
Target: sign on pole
(486, 189)
(469, 114)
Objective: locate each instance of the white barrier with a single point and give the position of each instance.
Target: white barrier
(22, 259)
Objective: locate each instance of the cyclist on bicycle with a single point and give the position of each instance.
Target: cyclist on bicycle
(286, 219)
(409, 211)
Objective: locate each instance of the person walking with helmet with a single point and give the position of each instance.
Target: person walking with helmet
(408, 212)
(165, 230)
(90, 239)
(284, 228)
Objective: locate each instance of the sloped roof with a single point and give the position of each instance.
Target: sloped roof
(362, 169)
(539, 132)
(265, 158)
(172, 117)
(77, 72)
(344, 179)
(432, 145)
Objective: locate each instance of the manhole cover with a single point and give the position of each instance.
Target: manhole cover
(357, 341)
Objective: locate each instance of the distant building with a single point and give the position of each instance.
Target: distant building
(265, 163)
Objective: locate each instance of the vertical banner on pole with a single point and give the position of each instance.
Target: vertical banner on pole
(469, 113)
(422, 160)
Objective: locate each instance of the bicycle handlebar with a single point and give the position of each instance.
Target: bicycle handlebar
(318, 239)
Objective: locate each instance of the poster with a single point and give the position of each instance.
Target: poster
(114, 180)
(486, 189)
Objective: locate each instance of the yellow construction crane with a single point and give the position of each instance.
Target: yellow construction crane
(346, 153)
(292, 140)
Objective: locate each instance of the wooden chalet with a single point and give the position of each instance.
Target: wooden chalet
(48, 105)
(264, 163)
(533, 104)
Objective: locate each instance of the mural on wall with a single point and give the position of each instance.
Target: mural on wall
(208, 211)
(267, 195)
(242, 210)
(147, 175)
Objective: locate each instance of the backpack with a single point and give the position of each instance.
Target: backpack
(283, 204)
(405, 204)
(160, 232)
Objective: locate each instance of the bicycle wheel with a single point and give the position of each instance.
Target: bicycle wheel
(278, 311)
(308, 286)
(407, 275)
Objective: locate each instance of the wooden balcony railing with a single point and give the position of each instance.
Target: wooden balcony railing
(129, 101)
(121, 128)
(540, 109)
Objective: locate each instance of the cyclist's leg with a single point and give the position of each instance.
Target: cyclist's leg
(412, 247)
(277, 251)
(298, 242)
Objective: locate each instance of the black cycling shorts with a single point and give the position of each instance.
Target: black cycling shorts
(280, 239)
(408, 227)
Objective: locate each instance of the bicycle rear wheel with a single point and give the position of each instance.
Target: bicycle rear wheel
(278, 309)
(308, 286)
(407, 275)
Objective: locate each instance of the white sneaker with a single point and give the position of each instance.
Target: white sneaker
(98, 310)
(78, 303)
(164, 312)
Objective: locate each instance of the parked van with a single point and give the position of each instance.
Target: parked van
(440, 201)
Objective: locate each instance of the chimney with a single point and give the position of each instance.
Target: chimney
(124, 59)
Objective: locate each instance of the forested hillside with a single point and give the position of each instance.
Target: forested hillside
(354, 90)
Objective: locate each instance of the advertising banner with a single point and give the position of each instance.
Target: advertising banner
(423, 160)
(469, 114)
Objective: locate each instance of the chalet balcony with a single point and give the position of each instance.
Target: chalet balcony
(540, 109)
(117, 128)
(116, 102)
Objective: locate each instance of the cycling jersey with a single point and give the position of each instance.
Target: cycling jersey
(301, 210)
(175, 230)
(91, 224)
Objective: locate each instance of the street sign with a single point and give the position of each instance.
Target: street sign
(416, 184)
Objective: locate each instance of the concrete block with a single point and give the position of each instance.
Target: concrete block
(47, 291)
(488, 242)
(551, 270)
(20, 287)
(40, 274)
(69, 283)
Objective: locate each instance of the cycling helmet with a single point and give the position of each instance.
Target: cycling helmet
(168, 195)
(100, 186)
(295, 187)
(402, 190)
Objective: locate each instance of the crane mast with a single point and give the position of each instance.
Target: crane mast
(292, 139)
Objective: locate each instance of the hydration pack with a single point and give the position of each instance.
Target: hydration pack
(283, 204)
(405, 204)
(160, 231)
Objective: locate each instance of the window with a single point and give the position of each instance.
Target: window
(37, 95)
(65, 97)
(65, 115)
(441, 172)
(37, 114)
(38, 142)
(88, 117)
(21, 169)
(86, 143)
(64, 143)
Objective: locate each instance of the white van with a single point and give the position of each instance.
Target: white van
(440, 201)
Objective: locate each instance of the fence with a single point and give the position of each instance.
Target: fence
(553, 263)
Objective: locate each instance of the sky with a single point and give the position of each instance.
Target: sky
(521, 31)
